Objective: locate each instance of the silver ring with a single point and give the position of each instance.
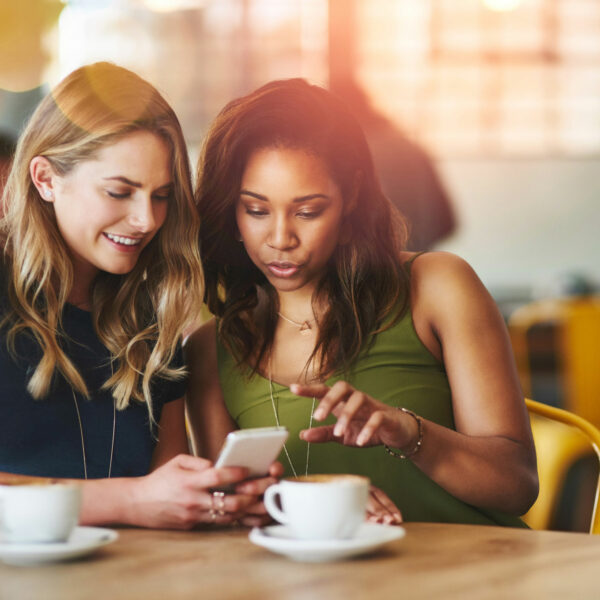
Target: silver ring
(218, 502)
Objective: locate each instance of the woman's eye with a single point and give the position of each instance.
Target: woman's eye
(256, 212)
(118, 195)
(309, 214)
(162, 197)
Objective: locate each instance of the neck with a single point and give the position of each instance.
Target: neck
(297, 305)
(82, 284)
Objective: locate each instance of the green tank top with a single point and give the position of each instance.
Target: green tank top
(397, 369)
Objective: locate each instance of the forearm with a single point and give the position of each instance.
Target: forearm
(488, 471)
(109, 501)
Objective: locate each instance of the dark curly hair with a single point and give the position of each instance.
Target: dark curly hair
(365, 285)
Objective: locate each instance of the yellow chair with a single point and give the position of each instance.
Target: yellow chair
(575, 323)
(558, 448)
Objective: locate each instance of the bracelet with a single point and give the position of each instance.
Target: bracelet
(419, 442)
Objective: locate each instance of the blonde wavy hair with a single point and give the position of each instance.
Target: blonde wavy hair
(140, 316)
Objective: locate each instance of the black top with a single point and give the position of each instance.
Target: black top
(42, 437)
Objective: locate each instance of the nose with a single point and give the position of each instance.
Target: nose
(282, 235)
(142, 215)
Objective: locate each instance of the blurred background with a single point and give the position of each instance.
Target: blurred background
(483, 117)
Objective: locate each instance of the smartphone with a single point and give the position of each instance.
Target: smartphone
(254, 449)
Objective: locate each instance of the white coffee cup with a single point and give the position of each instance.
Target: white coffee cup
(38, 511)
(319, 507)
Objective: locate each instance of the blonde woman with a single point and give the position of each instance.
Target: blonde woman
(100, 275)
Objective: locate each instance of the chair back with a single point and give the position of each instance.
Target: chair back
(558, 449)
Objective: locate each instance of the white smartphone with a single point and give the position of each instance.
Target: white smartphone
(254, 448)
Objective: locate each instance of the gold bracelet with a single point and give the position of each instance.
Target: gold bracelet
(419, 442)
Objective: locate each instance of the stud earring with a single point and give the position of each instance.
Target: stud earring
(48, 194)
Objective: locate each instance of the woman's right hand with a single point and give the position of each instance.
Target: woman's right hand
(178, 495)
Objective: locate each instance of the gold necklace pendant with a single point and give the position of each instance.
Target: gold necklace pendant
(304, 328)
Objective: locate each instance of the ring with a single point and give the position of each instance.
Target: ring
(218, 498)
(212, 514)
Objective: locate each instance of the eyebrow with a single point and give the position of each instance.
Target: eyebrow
(136, 184)
(298, 199)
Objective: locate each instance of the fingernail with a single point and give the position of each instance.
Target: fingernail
(360, 440)
(294, 388)
(319, 414)
(338, 430)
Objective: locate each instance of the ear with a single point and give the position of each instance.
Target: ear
(43, 177)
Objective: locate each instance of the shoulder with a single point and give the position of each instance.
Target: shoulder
(445, 288)
(202, 341)
(440, 269)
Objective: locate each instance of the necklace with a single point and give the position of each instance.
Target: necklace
(310, 422)
(112, 445)
(305, 327)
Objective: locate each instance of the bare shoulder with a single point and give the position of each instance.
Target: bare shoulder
(203, 339)
(444, 287)
(201, 351)
(444, 272)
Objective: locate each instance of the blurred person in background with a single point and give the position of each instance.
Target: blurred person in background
(407, 173)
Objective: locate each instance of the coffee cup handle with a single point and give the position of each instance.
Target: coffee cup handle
(271, 505)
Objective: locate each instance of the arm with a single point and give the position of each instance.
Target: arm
(489, 461)
(176, 494)
(209, 419)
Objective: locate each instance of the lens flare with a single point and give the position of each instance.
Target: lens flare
(502, 5)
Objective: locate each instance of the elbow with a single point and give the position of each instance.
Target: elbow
(524, 491)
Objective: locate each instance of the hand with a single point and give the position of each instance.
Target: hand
(380, 509)
(256, 514)
(177, 495)
(361, 420)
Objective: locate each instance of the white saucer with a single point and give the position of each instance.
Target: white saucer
(84, 540)
(369, 537)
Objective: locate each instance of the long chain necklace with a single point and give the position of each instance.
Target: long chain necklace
(112, 445)
(304, 328)
(310, 422)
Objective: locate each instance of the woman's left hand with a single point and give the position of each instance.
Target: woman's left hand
(361, 420)
(380, 509)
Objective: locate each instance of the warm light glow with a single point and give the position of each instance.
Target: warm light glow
(172, 5)
(502, 5)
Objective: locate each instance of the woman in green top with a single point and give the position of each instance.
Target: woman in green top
(325, 325)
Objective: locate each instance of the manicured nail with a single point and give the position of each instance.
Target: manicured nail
(319, 414)
(338, 430)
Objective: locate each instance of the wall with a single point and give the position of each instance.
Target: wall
(524, 222)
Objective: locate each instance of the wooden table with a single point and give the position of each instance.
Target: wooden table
(432, 561)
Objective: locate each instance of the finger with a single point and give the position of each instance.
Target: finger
(382, 502)
(276, 469)
(255, 520)
(340, 392)
(255, 487)
(319, 434)
(352, 405)
(213, 477)
(258, 508)
(369, 428)
(228, 503)
(190, 463)
(315, 390)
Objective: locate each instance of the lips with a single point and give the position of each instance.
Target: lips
(283, 270)
(122, 242)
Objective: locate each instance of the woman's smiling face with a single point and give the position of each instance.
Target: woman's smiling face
(110, 207)
(289, 215)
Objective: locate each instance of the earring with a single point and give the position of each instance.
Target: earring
(48, 194)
